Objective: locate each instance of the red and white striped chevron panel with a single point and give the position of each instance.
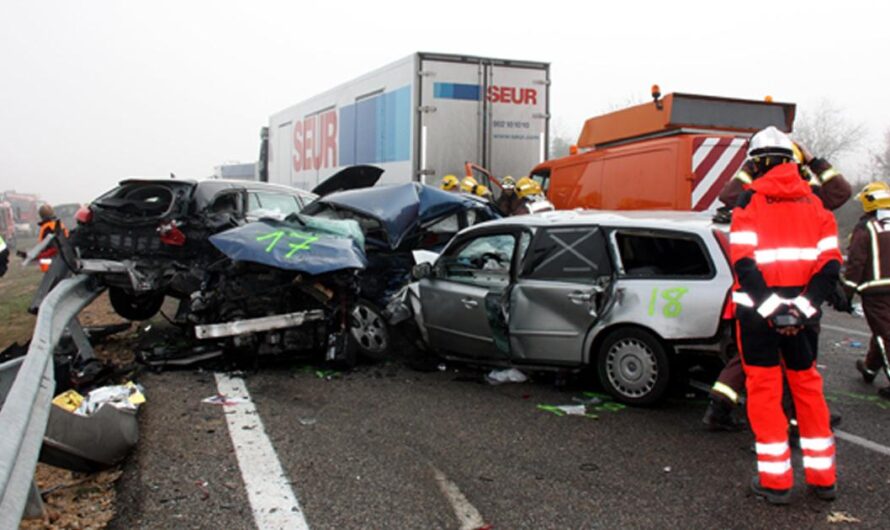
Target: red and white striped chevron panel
(714, 161)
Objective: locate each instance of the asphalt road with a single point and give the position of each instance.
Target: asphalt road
(384, 446)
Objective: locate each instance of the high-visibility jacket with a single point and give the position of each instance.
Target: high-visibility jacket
(782, 237)
(868, 256)
(51, 226)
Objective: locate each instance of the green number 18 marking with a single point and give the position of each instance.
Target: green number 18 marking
(672, 307)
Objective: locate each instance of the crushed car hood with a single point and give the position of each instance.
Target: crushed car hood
(401, 208)
(300, 243)
(350, 178)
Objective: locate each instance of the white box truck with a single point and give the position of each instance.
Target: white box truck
(420, 118)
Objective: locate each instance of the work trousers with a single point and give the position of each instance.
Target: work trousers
(764, 352)
(877, 314)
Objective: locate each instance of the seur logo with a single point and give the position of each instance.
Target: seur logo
(315, 141)
(511, 94)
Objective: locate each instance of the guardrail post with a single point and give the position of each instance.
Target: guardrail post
(34, 504)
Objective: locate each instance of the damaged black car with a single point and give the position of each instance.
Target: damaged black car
(149, 238)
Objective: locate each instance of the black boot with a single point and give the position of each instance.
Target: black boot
(825, 493)
(867, 375)
(772, 496)
(722, 416)
(884, 392)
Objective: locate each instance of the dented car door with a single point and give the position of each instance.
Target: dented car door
(471, 272)
(561, 290)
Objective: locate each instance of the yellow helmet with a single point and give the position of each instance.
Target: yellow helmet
(875, 196)
(527, 187)
(449, 182)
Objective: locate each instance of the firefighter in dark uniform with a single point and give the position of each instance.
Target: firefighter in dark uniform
(785, 256)
(829, 185)
(4, 257)
(867, 272)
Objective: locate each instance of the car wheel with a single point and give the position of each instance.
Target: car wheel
(633, 366)
(135, 306)
(368, 329)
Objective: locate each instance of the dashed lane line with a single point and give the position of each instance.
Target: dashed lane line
(272, 500)
(467, 514)
(862, 442)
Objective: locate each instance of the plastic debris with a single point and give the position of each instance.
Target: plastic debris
(222, 399)
(841, 517)
(508, 375)
(307, 421)
(69, 400)
(667, 469)
(442, 367)
(567, 410)
(127, 396)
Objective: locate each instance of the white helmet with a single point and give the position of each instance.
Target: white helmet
(771, 142)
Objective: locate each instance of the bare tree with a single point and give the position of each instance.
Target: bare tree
(881, 160)
(827, 132)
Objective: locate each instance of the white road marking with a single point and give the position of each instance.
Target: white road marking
(272, 499)
(842, 329)
(467, 515)
(862, 442)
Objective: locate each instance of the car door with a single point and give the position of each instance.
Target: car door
(559, 295)
(456, 301)
(668, 282)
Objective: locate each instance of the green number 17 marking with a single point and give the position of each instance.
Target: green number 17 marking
(672, 307)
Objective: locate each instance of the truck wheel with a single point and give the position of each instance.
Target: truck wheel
(633, 366)
(368, 330)
(135, 306)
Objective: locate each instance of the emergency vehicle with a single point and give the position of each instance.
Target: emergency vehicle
(675, 153)
(419, 119)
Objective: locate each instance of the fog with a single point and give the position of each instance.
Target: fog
(95, 91)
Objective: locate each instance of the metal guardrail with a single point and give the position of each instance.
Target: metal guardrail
(26, 406)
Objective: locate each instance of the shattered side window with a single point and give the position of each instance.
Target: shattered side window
(662, 255)
(570, 254)
(483, 261)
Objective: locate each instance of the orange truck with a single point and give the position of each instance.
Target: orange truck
(675, 153)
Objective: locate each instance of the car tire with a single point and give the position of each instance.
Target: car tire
(633, 366)
(368, 330)
(135, 307)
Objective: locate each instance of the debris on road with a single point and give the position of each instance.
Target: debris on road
(509, 375)
(127, 396)
(567, 410)
(223, 400)
(841, 517)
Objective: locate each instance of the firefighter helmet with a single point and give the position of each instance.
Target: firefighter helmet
(527, 187)
(875, 196)
(449, 183)
(508, 183)
(771, 142)
(470, 185)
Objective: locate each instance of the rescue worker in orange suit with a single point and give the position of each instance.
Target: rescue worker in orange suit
(4, 257)
(49, 224)
(829, 185)
(867, 272)
(785, 256)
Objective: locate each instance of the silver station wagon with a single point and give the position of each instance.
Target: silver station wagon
(624, 292)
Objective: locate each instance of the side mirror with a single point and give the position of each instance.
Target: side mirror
(421, 271)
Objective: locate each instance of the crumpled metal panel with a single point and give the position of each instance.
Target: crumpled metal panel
(311, 246)
(401, 208)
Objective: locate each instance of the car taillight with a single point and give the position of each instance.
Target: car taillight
(84, 215)
(171, 234)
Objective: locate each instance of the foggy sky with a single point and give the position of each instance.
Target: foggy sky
(95, 91)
